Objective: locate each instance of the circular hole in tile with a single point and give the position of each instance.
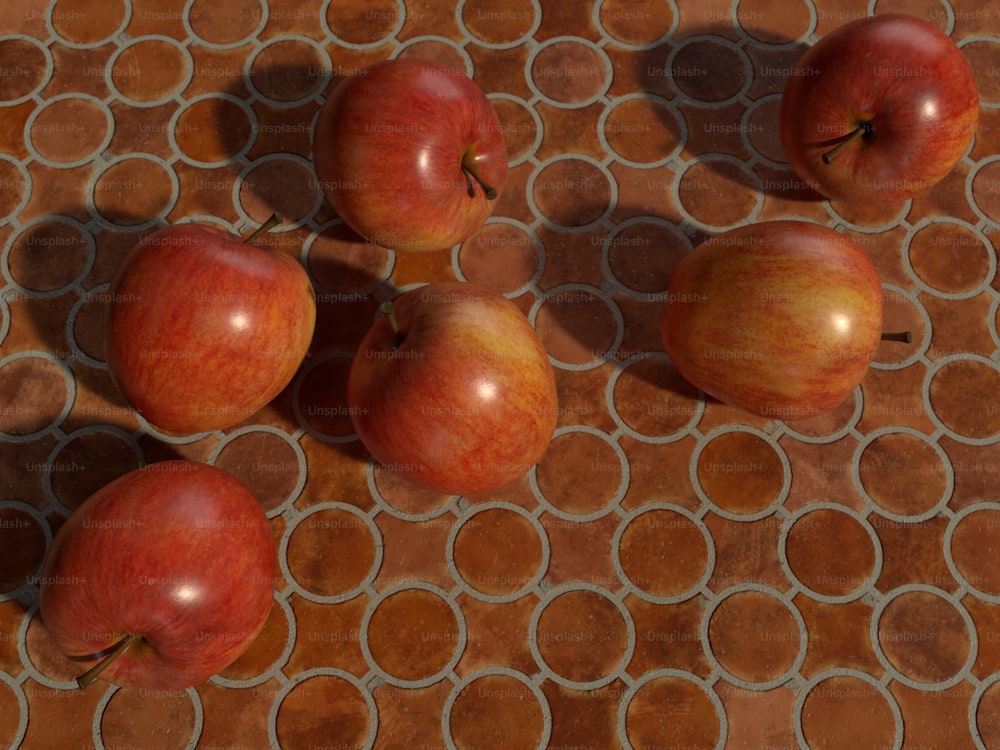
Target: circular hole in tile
(635, 24)
(949, 257)
(984, 190)
(643, 130)
(134, 191)
(345, 720)
(266, 463)
(963, 396)
(150, 70)
(759, 20)
(708, 70)
(902, 473)
(212, 130)
(224, 22)
(830, 711)
(718, 193)
(570, 456)
(23, 549)
(642, 254)
(520, 130)
(674, 708)
(279, 185)
(496, 711)
(986, 713)
(572, 192)
(582, 636)
(340, 261)
(49, 255)
(22, 69)
(288, 70)
(499, 22)
(375, 23)
(33, 395)
(924, 636)
(830, 552)
(664, 553)
(498, 552)
(569, 72)
(88, 461)
(500, 256)
(754, 636)
(653, 399)
(740, 472)
(413, 634)
(331, 551)
(975, 533)
(88, 22)
(576, 326)
(70, 130)
(148, 718)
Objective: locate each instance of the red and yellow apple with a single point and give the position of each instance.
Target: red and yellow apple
(410, 154)
(203, 328)
(879, 110)
(452, 389)
(780, 318)
(160, 579)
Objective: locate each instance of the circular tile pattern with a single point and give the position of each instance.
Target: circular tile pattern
(830, 710)
(975, 531)
(25, 540)
(499, 23)
(568, 176)
(582, 636)
(280, 185)
(653, 401)
(212, 130)
(224, 24)
(288, 71)
(34, 394)
(643, 130)
(664, 553)
(502, 256)
(70, 130)
(23, 64)
(571, 455)
(569, 72)
(719, 193)
(704, 69)
(636, 25)
(88, 22)
(332, 551)
(950, 257)
(496, 711)
(371, 27)
(755, 637)
(498, 551)
(86, 461)
(348, 723)
(640, 254)
(49, 255)
(135, 190)
(924, 636)
(579, 326)
(740, 472)
(128, 720)
(265, 461)
(150, 70)
(413, 635)
(831, 553)
(961, 395)
(903, 474)
(676, 707)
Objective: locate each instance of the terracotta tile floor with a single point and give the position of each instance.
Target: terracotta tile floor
(674, 573)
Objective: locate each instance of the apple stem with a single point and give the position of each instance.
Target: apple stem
(91, 675)
(470, 171)
(902, 336)
(267, 226)
(389, 311)
(863, 129)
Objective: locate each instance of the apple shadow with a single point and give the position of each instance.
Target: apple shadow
(705, 76)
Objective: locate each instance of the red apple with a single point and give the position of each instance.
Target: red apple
(453, 390)
(163, 577)
(203, 328)
(879, 110)
(780, 318)
(410, 154)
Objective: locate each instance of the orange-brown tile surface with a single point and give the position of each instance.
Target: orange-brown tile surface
(674, 573)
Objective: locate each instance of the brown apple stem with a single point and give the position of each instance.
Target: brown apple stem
(389, 311)
(863, 129)
(267, 226)
(91, 675)
(491, 192)
(904, 337)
